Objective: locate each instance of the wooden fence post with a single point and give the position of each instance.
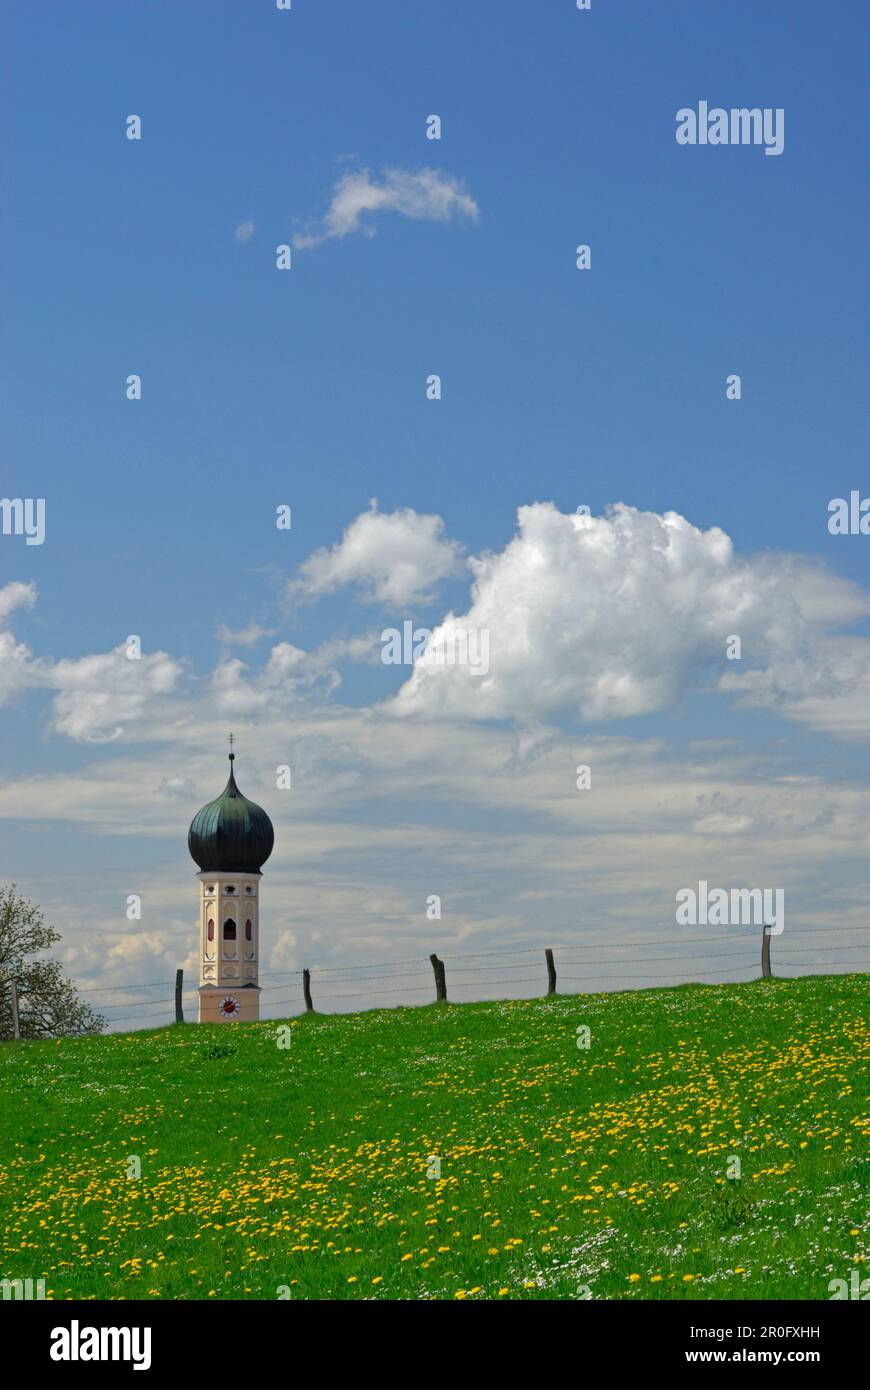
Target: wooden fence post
(179, 1010)
(306, 990)
(440, 978)
(765, 952)
(16, 1027)
(551, 972)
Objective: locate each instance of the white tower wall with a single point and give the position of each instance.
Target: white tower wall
(229, 947)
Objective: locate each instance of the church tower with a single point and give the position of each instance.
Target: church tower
(229, 840)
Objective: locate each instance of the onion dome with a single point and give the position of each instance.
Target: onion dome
(231, 834)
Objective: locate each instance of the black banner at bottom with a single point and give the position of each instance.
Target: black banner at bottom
(81, 1339)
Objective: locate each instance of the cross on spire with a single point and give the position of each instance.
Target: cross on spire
(231, 740)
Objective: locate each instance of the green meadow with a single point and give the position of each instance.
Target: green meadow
(473, 1151)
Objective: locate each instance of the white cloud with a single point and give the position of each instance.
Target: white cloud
(289, 674)
(108, 697)
(19, 669)
(614, 616)
(245, 231)
(428, 195)
(246, 636)
(97, 698)
(829, 689)
(394, 557)
(601, 618)
(722, 825)
(16, 595)
(100, 697)
(176, 786)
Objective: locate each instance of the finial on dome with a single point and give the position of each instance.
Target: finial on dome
(231, 741)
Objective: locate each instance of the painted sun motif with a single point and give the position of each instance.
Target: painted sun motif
(229, 1007)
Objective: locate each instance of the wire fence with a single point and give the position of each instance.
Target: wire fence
(587, 963)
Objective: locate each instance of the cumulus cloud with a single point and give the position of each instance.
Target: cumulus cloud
(245, 231)
(289, 674)
(107, 697)
(428, 195)
(598, 617)
(101, 697)
(614, 616)
(393, 557)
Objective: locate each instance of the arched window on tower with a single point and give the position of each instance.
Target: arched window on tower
(210, 929)
(249, 951)
(229, 930)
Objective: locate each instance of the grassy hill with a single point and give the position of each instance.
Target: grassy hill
(305, 1168)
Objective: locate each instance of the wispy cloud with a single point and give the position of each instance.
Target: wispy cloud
(341, 884)
(428, 195)
(247, 636)
(245, 230)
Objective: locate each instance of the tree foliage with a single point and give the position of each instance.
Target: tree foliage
(48, 1005)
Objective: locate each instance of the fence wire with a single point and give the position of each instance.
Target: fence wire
(593, 955)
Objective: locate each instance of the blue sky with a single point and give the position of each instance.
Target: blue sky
(308, 387)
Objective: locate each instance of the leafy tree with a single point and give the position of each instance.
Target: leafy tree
(48, 1005)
